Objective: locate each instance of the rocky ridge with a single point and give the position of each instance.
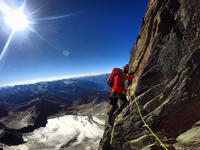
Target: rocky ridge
(165, 59)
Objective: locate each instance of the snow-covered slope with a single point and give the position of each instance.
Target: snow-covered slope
(70, 132)
(67, 132)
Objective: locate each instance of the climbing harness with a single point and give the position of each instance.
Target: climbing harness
(147, 126)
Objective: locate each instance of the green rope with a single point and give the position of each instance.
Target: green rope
(147, 126)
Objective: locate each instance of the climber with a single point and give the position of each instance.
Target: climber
(116, 81)
(126, 71)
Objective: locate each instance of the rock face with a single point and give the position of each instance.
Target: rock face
(166, 59)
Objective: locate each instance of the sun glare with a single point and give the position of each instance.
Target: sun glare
(16, 20)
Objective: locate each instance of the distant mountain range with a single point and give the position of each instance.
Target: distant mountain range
(25, 108)
(64, 90)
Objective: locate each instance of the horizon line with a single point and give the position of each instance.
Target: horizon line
(50, 79)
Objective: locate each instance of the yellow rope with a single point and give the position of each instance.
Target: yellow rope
(147, 126)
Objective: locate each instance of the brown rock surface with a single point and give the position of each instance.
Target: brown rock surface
(166, 59)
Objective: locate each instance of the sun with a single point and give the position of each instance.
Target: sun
(16, 20)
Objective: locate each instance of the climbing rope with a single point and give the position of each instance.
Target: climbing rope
(147, 126)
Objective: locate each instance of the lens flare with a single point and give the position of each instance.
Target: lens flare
(6, 46)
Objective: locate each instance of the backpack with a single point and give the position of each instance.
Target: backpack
(110, 80)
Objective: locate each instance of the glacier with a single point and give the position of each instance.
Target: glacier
(65, 133)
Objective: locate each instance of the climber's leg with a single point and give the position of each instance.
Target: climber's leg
(124, 100)
(113, 107)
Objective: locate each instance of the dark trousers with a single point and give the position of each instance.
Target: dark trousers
(113, 104)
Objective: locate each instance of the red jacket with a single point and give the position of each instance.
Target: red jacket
(119, 86)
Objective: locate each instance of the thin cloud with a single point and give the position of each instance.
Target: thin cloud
(55, 78)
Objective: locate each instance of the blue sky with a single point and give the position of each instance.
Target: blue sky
(95, 37)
